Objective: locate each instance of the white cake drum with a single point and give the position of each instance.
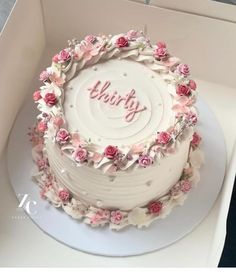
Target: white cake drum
(129, 241)
(115, 141)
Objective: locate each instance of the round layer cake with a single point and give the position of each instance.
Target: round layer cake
(115, 141)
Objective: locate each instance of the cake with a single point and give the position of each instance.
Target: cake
(115, 141)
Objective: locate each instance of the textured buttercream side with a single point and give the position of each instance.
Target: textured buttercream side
(124, 190)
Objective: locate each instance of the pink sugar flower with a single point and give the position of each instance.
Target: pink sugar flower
(183, 90)
(76, 140)
(96, 157)
(191, 118)
(58, 121)
(80, 155)
(183, 69)
(116, 217)
(42, 126)
(132, 35)
(64, 55)
(163, 138)
(170, 61)
(195, 140)
(90, 38)
(57, 80)
(42, 164)
(37, 96)
(55, 58)
(161, 44)
(185, 186)
(44, 76)
(183, 105)
(88, 50)
(145, 160)
(160, 53)
(155, 207)
(192, 84)
(62, 136)
(64, 195)
(122, 42)
(111, 151)
(50, 99)
(103, 213)
(100, 215)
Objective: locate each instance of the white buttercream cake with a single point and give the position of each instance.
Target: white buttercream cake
(115, 141)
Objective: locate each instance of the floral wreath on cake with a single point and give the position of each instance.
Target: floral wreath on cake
(111, 159)
(132, 45)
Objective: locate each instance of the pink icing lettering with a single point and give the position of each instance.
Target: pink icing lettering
(119, 99)
(129, 96)
(113, 97)
(103, 89)
(129, 101)
(94, 91)
(131, 112)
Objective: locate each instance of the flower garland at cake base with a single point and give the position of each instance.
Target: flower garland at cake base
(116, 219)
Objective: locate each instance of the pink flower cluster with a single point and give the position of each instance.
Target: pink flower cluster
(183, 90)
(42, 164)
(62, 136)
(122, 42)
(163, 138)
(111, 152)
(80, 155)
(192, 84)
(160, 52)
(186, 90)
(42, 126)
(155, 207)
(145, 161)
(62, 57)
(50, 77)
(58, 121)
(100, 215)
(44, 76)
(116, 217)
(183, 69)
(195, 140)
(90, 38)
(37, 96)
(185, 186)
(87, 49)
(132, 35)
(191, 118)
(50, 99)
(64, 195)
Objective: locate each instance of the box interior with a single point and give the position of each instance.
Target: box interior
(206, 44)
(31, 39)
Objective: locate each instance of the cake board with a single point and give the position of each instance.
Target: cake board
(129, 241)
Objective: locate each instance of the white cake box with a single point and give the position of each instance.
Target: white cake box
(37, 29)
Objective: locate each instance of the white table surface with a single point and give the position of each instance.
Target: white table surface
(24, 244)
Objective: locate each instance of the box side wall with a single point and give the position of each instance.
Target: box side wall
(206, 44)
(206, 8)
(21, 44)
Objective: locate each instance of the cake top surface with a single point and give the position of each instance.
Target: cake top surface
(116, 102)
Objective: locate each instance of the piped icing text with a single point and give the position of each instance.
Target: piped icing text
(129, 101)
